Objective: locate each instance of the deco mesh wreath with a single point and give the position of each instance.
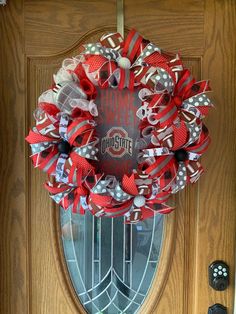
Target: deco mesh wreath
(173, 136)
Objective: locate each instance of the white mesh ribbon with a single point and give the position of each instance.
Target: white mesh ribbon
(65, 73)
(86, 105)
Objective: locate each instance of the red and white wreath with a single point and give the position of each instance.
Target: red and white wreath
(173, 136)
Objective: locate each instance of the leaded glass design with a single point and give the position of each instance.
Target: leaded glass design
(111, 264)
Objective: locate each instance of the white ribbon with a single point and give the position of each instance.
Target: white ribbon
(85, 105)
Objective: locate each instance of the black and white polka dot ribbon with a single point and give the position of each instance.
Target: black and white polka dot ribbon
(102, 187)
(98, 49)
(199, 100)
(159, 76)
(194, 130)
(119, 194)
(88, 151)
(147, 51)
(181, 178)
(40, 147)
(163, 81)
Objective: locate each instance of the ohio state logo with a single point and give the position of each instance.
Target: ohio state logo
(117, 143)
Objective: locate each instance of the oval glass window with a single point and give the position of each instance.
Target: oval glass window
(111, 264)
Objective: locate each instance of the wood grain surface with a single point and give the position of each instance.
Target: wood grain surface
(35, 37)
(217, 200)
(13, 209)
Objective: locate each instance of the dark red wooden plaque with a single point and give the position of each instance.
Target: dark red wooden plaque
(117, 130)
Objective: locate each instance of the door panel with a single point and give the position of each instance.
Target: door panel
(37, 36)
(40, 71)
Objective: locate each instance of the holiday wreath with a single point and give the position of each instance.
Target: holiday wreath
(172, 135)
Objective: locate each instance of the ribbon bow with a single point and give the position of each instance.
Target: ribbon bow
(136, 198)
(59, 145)
(69, 197)
(173, 168)
(187, 105)
(116, 62)
(190, 96)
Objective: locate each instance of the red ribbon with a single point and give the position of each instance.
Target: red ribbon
(187, 87)
(71, 195)
(132, 48)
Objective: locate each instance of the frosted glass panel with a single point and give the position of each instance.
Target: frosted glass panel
(111, 264)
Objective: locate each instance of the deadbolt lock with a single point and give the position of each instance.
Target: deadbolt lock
(219, 275)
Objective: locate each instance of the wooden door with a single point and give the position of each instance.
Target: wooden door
(35, 37)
